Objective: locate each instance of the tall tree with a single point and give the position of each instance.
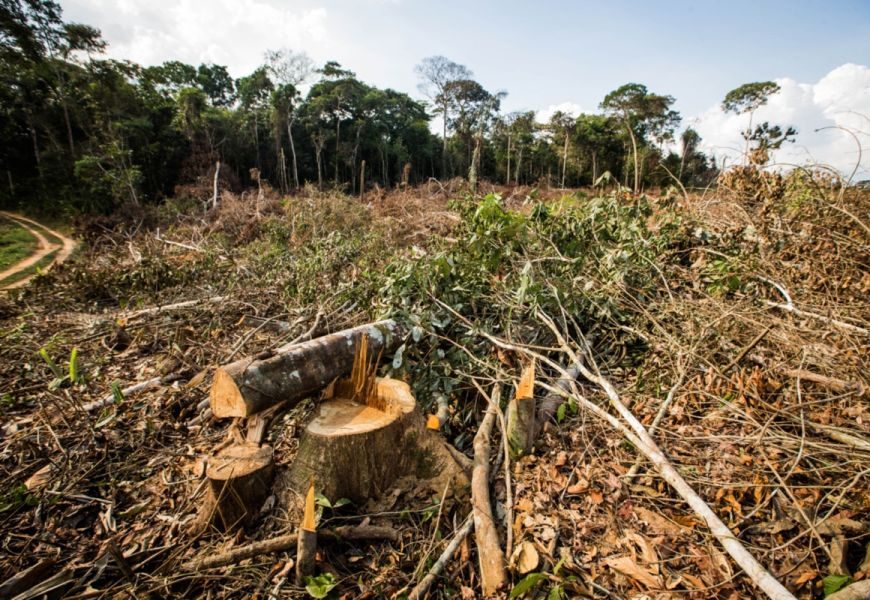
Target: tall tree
(641, 112)
(437, 73)
(748, 98)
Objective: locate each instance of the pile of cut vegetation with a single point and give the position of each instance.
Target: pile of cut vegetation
(691, 421)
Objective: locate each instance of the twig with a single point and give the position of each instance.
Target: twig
(421, 588)
(747, 349)
(286, 542)
(138, 387)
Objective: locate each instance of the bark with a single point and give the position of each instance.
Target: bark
(362, 179)
(249, 385)
(856, 591)
(508, 178)
(306, 553)
(489, 552)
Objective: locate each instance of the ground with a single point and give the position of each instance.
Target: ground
(16, 243)
(679, 301)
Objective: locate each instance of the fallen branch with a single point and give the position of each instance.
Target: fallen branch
(288, 542)
(840, 386)
(421, 588)
(790, 307)
(132, 389)
(489, 553)
(176, 306)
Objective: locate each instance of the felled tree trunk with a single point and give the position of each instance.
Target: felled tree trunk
(239, 479)
(247, 386)
(358, 450)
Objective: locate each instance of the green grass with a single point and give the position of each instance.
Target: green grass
(16, 243)
(31, 270)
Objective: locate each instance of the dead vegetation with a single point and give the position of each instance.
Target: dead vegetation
(732, 325)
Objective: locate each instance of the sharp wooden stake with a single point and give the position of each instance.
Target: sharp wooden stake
(306, 548)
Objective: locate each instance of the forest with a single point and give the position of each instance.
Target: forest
(291, 335)
(86, 134)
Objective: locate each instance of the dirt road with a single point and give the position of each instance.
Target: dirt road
(44, 248)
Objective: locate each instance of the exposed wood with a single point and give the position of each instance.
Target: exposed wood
(239, 479)
(358, 450)
(258, 425)
(247, 386)
(421, 588)
(306, 547)
(489, 553)
(287, 542)
(521, 418)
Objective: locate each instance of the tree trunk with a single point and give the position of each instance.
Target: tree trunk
(508, 177)
(636, 163)
(358, 450)
(247, 386)
(362, 179)
(217, 175)
(293, 151)
(565, 161)
(444, 141)
(337, 132)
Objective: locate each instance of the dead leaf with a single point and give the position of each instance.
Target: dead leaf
(40, 479)
(627, 566)
(525, 558)
(658, 523)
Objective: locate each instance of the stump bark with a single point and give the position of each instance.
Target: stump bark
(358, 450)
(239, 480)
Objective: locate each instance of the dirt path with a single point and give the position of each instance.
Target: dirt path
(43, 249)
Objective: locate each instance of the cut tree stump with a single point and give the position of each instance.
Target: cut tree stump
(357, 450)
(247, 386)
(239, 480)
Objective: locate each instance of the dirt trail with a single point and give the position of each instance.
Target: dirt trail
(43, 249)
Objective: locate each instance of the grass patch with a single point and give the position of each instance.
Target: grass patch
(31, 270)
(16, 243)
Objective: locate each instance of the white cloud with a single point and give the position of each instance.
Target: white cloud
(234, 33)
(839, 99)
(543, 116)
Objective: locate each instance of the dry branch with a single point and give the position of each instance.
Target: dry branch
(287, 542)
(489, 553)
(421, 588)
(295, 371)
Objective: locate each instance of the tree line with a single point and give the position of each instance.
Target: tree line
(84, 133)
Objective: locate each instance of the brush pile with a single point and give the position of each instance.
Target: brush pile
(732, 325)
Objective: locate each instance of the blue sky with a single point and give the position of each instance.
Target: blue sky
(542, 53)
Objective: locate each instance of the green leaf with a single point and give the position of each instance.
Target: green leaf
(341, 502)
(51, 364)
(322, 500)
(320, 586)
(560, 412)
(117, 393)
(74, 375)
(834, 583)
(526, 584)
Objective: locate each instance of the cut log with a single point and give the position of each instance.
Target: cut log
(247, 386)
(358, 450)
(239, 479)
(521, 415)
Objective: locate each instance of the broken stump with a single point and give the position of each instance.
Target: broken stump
(239, 480)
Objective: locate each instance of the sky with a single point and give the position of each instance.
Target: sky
(549, 54)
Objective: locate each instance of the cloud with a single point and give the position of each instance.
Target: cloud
(234, 33)
(840, 99)
(544, 115)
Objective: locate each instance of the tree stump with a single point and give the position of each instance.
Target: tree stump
(357, 450)
(239, 480)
